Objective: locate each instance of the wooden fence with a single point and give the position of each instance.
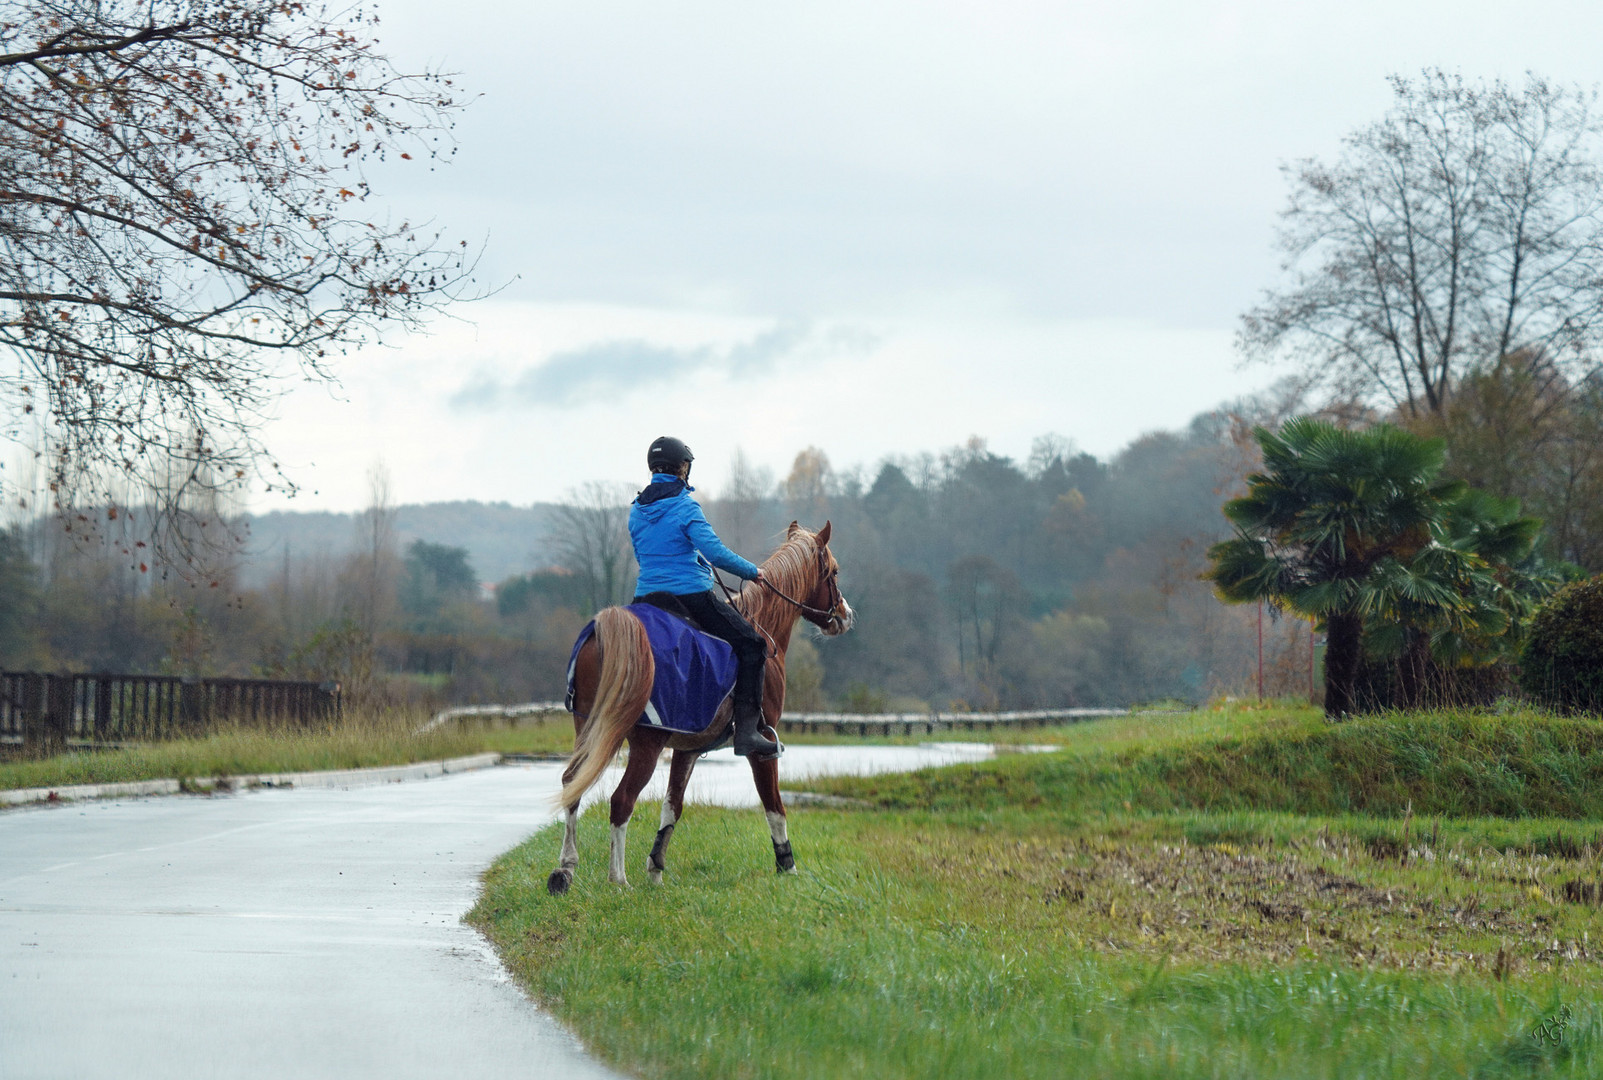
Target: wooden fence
(931, 722)
(831, 723)
(51, 711)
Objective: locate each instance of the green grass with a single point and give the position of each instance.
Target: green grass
(914, 946)
(358, 741)
(1522, 764)
(1233, 893)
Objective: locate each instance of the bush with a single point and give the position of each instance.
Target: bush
(1562, 663)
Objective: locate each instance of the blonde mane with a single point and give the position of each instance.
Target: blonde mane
(791, 570)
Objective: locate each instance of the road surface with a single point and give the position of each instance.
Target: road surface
(296, 933)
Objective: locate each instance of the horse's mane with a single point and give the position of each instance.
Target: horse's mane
(790, 569)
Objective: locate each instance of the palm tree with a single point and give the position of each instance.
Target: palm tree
(1488, 552)
(1342, 525)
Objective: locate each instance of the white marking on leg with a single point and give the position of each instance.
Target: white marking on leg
(616, 873)
(668, 816)
(776, 826)
(570, 841)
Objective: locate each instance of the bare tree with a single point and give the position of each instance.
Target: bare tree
(591, 531)
(182, 222)
(1463, 230)
(376, 564)
(740, 505)
(1047, 449)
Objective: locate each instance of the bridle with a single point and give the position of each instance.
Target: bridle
(828, 576)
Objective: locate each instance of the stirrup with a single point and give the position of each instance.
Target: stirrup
(765, 731)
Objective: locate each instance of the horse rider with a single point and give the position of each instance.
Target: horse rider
(677, 549)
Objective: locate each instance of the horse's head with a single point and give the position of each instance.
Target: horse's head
(824, 606)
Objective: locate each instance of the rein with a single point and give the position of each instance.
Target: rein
(805, 609)
(734, 598)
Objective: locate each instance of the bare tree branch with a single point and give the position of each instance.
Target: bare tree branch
(183, 207)
(1463, 230)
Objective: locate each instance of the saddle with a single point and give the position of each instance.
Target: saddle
(670, 603)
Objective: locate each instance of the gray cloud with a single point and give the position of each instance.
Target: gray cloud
(614, 368)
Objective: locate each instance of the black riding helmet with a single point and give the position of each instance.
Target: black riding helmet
(667, 454)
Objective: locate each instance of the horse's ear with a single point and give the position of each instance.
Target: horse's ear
(794, 526)
(823, 535)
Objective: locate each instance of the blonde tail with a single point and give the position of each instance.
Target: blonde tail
(627, 671)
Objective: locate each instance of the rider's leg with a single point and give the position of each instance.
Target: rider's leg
(751, 656)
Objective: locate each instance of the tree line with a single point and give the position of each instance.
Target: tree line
(1061, 579)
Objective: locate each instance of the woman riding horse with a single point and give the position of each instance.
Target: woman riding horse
(613, 672)
(677, 549)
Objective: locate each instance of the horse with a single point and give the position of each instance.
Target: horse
(612, 678)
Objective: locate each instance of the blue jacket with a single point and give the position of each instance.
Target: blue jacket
(673, 542)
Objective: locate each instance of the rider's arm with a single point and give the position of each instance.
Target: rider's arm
(706, 541)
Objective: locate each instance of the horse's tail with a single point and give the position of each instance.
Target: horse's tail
(622, 692)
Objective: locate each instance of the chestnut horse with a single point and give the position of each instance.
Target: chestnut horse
(612, 680)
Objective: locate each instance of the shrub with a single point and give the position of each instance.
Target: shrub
(1562, 663)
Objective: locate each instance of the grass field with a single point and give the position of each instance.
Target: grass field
(1163, 897)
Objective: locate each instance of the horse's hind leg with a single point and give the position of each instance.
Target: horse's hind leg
(645, 746)
(562, 876)
(766, 775)
(673, 808)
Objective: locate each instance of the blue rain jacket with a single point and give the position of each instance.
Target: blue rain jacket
(674, 545)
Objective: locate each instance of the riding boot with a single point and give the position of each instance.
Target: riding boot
(749, 740)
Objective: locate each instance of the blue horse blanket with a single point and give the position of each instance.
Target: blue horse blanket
(695, 671)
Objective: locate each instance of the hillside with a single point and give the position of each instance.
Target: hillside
(501, 539)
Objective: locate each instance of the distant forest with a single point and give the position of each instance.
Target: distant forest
(981, 582)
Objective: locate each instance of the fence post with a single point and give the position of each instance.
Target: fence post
(35, 738)
(330, 703)
(189, 705)
(46, 713)
(102, 706)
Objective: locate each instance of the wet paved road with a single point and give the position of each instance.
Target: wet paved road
(294, 934)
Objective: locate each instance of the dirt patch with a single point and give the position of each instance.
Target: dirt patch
(1589, 893)
(1222, 902)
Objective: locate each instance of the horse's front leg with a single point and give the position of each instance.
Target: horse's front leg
(766, 774)
(673, 808)
(645, 746)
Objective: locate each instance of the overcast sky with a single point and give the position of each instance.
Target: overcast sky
(872, 227)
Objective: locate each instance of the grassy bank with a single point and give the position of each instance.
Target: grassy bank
(1523, 764)
(357, 742)
(1227, 894)
(375, 739)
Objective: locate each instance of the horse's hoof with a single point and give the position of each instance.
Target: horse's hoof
(558, 882)
(655, 876)
(791, 869)
(784, 860)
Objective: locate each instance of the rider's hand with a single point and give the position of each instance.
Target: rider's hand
(759, 578)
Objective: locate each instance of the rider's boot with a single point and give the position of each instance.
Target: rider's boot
(749, 740)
